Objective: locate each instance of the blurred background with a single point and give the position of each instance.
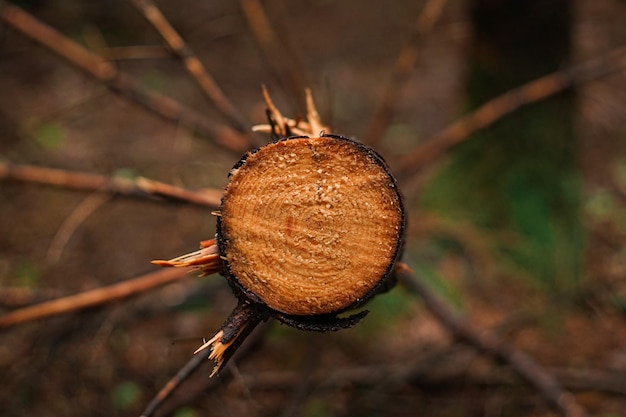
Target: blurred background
(521, 228)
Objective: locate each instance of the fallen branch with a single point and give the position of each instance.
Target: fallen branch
(139, 187)
(91, 298)
(496, 108)
(192, 64)
(525, 366)
(106, 73)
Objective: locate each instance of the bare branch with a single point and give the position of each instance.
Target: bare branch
(106, 73)
(524, 365)
(496, 108)
(92, 298)
(192, 64)
(80, 181)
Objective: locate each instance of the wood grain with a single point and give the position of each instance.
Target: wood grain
(311, 225)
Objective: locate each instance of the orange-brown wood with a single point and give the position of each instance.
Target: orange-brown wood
(310, 225)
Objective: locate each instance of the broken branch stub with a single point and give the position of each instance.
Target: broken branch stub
(310, 226)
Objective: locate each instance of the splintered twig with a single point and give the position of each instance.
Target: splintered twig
(281, 126)
(133, 53)
(206, 260)
(525, 366)
(106, 73)
(139, 187)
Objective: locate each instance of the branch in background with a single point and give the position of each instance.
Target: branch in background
(280, 59)
(493, 110)
(14, 297)
(79, 181)
(425, 374)
(95, 41)
(525, 366)
(131, 53)
(106, 73)
(404, 65)
(192, 64)
(92, 298)
(71, 223)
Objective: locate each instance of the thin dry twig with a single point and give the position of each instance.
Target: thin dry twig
(496, 108)
(91, 298)
(405, 63)
(525, 366)
(96, 42)
(106, 73)
(192, 64)
(139, 187)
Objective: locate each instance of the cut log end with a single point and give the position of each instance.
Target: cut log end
(311, 225)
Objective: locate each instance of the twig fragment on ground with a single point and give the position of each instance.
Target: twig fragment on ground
(525, 366)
